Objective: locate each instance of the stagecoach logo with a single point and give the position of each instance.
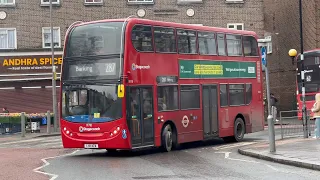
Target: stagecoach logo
(83, 129)
(135, 67)
(185, 121)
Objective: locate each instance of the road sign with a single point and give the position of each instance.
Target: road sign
(264, 55)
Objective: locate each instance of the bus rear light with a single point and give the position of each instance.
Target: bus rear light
(115, 131)
(65, 129)
(68, 132)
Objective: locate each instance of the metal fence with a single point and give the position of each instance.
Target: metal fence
(291, 126)
(10, 123)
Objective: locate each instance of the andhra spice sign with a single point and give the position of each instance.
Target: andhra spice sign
(216, 69)
(36, 63)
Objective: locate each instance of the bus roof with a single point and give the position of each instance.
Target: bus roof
(175, 25)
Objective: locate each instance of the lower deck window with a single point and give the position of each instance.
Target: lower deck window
(236, 94)
(190, 97)
(167, 98)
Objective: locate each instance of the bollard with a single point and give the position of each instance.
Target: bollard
(271, 134)
(23, 124)
(48, 122)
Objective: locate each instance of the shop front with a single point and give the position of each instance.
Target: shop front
(26, 81)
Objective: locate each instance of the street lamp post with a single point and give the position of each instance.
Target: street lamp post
(293, 53)
(54, 92)
(272, 145)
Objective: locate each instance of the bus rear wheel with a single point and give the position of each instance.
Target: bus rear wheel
(239, 129)
(167, 140)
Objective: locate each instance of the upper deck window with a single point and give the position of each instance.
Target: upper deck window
(141, 38)
(234, 45)
(187, 41)
(221, 45)
(95, 39)
(207, 43)
(250, 46)
(165, 39)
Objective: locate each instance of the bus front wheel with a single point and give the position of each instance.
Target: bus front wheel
(167, 141)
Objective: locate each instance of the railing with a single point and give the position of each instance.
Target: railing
(291, 126)
(11, 123)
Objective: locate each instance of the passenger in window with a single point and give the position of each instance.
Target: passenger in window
(161, 105)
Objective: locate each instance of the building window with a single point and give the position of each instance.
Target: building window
(223, 95)
(188, 1)
(234, 45)
(47, 2)
(189, 97)
(221, 44)
(236, 94)
(207, 43)
(248, 93)
(236, 26)
(234, 1)
(140, 1)
(167, 98)
(94, 2)
(141, 38)
(165, 39)
(8, 38)
(250, 46)
(187, 42)
(46, 37)
(269, 45)
(7, 2)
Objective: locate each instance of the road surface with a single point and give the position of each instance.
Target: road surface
(203, 160)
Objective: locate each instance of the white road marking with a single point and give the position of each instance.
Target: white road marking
(227, 156)
(46, 163)
(46, 144)
(227, 146)
(23, 141)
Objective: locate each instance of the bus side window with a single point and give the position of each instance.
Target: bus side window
(165, 40)
(187, 41)
(207, 43)
(234, 45)
(250, 46)
(141, 37)
(221, 45)
(167, 98)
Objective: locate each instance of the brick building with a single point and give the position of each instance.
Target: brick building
(25, 35)
(281, 23)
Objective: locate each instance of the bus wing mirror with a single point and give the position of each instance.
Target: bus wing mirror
(120, 91)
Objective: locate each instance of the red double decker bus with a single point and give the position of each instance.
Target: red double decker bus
(312, 79)
(135, 83)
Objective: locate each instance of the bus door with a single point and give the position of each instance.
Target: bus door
(140, 110)
(210, 110)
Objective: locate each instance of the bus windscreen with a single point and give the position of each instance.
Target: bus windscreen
(91, 103)
(95, 39)
(93, 51)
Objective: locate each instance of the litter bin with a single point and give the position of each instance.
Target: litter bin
(35, 127)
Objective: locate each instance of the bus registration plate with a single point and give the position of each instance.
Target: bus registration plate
(91, 146)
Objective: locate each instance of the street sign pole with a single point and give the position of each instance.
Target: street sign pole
(272, 144)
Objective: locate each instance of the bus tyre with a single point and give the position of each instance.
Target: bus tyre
(167, 141)
(239, 129)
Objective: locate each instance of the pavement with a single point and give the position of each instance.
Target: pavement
(18, 137)
(299, 152)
